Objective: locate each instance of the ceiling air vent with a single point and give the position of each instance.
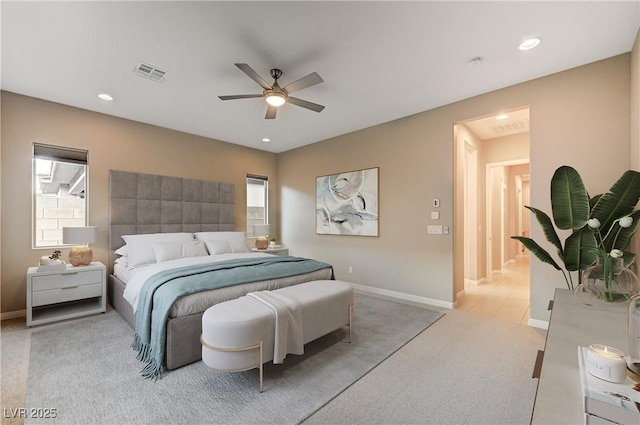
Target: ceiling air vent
(513, 127)
(150, 72)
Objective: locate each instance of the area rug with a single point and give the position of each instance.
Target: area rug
(85, 372)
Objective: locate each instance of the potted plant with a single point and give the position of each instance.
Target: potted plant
(599, 228)
(55, 257)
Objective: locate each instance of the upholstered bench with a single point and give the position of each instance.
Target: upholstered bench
(238, 334)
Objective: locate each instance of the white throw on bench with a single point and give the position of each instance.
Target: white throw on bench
(240, 334)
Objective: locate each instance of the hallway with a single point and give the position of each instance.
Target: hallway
(505, 298)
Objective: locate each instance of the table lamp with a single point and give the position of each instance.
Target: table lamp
(80, 255)
(262, 233)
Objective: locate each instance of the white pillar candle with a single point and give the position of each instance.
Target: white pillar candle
(606, 363)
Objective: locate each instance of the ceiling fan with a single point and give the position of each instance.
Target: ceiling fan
(276, 95)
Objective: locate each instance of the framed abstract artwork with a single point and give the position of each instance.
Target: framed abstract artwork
(347, 203)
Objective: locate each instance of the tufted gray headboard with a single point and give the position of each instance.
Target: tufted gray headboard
(148, 203)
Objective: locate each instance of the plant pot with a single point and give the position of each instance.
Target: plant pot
(608, 281)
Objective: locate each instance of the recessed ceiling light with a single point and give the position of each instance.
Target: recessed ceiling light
(266, 140)
(105, 96)
(529, 44)
(502, 117)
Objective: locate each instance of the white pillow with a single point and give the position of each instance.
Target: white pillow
(140, 250)
(124, 261)
(237, 240)
(165, 251)
(122, 251)
(239, 246)
(194, 249)
(220, 246)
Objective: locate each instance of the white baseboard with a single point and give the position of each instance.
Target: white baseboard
(540, 324)
(13, 314)
(401, 296)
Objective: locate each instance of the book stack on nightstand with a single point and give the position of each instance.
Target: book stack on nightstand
(274, 250)
(65, 293)
(607, 402)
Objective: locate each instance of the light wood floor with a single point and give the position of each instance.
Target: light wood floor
(506, 297)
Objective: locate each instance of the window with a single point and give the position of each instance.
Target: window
(59, 192)
(257, 202)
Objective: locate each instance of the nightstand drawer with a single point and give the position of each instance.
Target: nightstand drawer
(59, 281)
(68, 293)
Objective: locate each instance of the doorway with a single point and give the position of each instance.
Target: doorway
(491, 270)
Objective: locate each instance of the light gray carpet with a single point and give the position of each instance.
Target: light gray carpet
(86, 371)
(466, 369)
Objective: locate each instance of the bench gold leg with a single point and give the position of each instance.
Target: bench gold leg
(261, 367)
(351, 307)
(236, 349)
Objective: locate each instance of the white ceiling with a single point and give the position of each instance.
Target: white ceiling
(379, 60)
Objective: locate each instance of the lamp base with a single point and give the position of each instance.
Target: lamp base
(262, 242)
(80, 255)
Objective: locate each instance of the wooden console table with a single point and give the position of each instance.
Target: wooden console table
(559, 399)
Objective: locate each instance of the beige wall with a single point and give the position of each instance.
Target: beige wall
(635, 104)
(579, 117)
(113, 143)
(635, 122)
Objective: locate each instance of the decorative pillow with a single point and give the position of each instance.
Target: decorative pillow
(122, 251)
(140, 249)
(220, 246)
(165, 251)
(124, 261)
(237, 240)
(194, 249)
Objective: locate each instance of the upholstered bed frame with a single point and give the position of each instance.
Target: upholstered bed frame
(146, 203)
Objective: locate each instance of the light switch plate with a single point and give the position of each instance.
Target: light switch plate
(434, 230)
(435, 215)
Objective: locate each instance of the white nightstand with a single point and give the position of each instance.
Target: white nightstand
(274, 251)
(64, 294)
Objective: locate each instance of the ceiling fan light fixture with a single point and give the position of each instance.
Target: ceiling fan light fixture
(275, 99)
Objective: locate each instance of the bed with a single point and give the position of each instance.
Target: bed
(161, 212)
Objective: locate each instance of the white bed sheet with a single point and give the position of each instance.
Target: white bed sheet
(134, 278)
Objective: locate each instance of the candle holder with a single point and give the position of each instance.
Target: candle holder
(606, 363)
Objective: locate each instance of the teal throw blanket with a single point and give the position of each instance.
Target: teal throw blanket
(161, 290)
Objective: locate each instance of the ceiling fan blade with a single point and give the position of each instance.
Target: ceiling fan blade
(305, 104)
(240, 96)
(271, 112)
(304, 82)
(253, 75)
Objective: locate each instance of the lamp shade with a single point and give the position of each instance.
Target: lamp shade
(261, 230)
(79, 235)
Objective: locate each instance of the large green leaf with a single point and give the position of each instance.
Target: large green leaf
(547, 228)
(569, 199)
(537, 250)
(580, 250)
(619, 201)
